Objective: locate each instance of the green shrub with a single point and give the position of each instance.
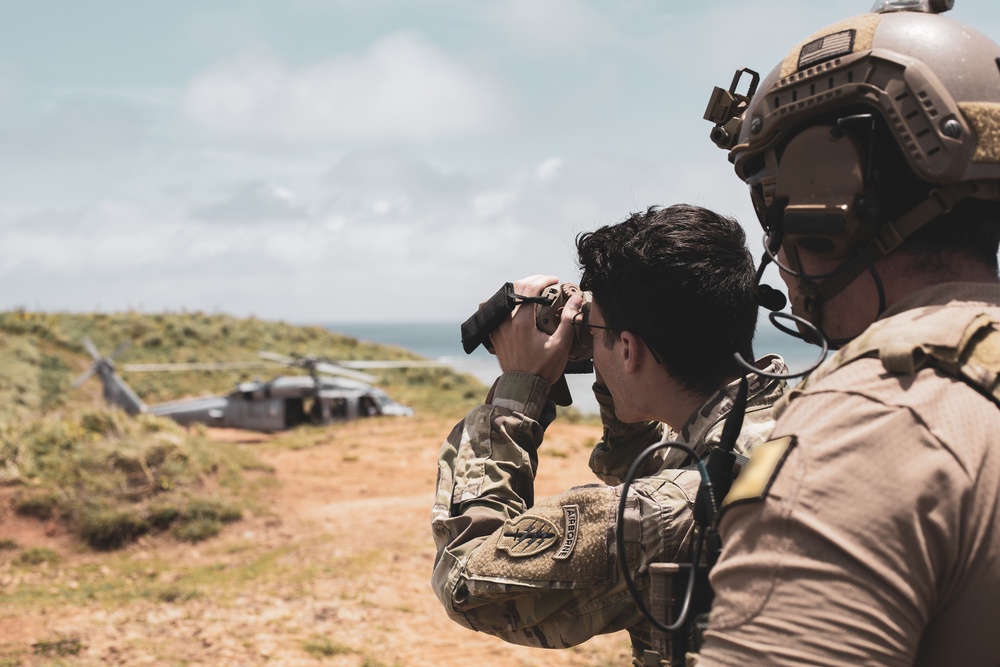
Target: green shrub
(197, 529)
(162, 516)
(212, 509)
(40, 504)
(37, 556)
(102, 422)
(110, 528)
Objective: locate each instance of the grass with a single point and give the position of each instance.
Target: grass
(60, 647)
(111, 478)
(121, 579)
(37, 556)
(319, 646)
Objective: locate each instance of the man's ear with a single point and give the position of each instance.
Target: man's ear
(629, 352)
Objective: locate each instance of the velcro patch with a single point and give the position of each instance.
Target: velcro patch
(571, 513)
(527, 536)
(826, 47)
(761, 470)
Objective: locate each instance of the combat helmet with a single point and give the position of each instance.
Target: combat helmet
(809, 138)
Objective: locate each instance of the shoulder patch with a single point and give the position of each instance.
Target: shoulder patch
(571, 514)
(527, 536)
(561, 542)
(765, 463)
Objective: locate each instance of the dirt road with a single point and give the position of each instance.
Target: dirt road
(334, 570)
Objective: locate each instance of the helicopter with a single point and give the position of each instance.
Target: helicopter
(332, 392)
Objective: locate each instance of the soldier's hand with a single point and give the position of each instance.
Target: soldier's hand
(521, 346)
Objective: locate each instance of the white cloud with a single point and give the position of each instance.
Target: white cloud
(548, 169)
(254, 202)
(402, 87)
(389, 236)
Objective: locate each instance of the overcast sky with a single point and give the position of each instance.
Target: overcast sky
(356, 160)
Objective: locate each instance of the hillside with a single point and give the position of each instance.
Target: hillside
(131, 541)
(69, 460)
(40, 353)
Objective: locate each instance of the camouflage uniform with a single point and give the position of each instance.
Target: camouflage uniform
(545, 574)
(873, 534)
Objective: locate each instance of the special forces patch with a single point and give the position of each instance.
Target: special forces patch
(531, 535)
(527, 536)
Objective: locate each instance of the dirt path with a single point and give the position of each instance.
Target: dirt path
(336, 572)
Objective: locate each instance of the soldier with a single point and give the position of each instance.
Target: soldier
(870, 533)
(672, 303)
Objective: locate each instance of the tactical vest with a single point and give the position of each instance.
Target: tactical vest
(961, 340)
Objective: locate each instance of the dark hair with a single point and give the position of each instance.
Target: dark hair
(681, 278)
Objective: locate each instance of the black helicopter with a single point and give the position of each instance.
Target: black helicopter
(332, 392)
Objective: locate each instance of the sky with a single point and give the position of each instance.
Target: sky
(357, 160)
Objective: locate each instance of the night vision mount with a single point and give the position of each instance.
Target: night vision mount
(726, 107)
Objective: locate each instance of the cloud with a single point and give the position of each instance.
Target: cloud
(380, 234)
(253, 202)
(402, 87)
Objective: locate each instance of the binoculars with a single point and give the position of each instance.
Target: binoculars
(548, 311)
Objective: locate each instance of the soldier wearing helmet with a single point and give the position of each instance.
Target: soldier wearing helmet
(866, 531)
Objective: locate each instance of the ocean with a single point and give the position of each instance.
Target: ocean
(442, 341)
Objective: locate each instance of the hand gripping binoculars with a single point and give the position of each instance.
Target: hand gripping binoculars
(548, 311)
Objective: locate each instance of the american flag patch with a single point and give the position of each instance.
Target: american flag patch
(824, 48)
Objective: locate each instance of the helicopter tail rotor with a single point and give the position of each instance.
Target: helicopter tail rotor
(91, 348)
(86, 375)
(116, 390)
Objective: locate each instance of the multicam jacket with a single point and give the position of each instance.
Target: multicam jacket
(545, 574)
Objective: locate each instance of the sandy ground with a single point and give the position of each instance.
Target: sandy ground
(335, 570)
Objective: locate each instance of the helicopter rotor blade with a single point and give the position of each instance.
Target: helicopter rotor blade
(91, 348)
(280, 358)
(337, 369)
(85, 376)
(345, 368)
(124, 345)
(196, 366)
(391, 364)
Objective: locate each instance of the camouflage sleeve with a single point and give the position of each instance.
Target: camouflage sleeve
(486, 470)
(621, 442)
(541, 575)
